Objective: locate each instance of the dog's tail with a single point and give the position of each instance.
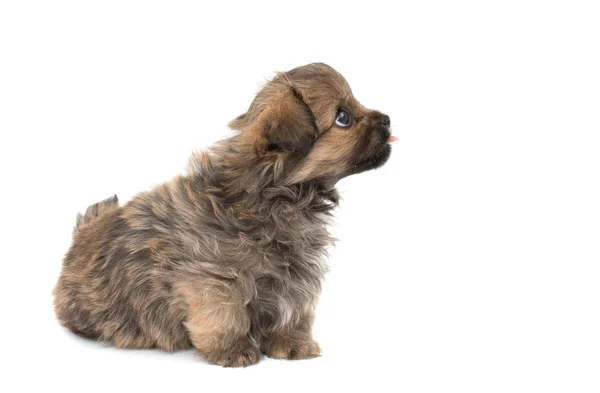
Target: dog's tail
(96, 210)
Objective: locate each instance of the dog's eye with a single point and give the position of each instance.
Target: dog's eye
(342, 118)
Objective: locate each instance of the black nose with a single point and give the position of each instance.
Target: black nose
(384, 120)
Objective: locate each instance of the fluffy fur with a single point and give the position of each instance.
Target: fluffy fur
(229, 257)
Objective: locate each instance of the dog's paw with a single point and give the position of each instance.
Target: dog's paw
(239, 358)
(293, 350)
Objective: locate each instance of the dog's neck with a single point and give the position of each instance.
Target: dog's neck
(246, 179)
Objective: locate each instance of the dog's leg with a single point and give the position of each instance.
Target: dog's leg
(291, 341)
(218, 326)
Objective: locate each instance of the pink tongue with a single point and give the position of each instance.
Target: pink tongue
(393, 139)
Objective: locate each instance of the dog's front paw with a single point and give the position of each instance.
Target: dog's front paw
(238, 357)
(294, 350)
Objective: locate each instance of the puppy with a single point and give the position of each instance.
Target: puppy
(229, 257)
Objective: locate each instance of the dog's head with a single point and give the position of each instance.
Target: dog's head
(308, 119)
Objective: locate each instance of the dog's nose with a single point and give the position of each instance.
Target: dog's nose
(384, 120)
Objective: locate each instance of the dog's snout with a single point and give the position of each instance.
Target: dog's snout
(384, 120)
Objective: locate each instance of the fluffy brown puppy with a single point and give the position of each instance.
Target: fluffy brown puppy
(228, 258)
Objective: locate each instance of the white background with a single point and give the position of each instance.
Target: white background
(469, 263)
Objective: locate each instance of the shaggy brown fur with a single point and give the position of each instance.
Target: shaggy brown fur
(229, 257)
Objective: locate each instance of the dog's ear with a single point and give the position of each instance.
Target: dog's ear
(277, 121)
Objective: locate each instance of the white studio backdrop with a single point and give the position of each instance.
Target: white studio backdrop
(468, 263)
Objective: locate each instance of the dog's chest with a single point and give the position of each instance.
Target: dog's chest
(295, 244)
(292, 269)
